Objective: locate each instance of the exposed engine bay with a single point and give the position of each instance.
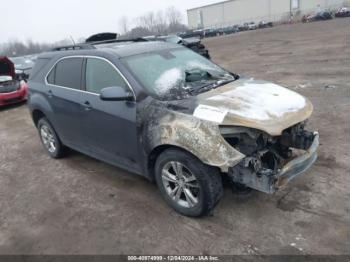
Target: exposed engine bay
(9, 85)
(264, 167)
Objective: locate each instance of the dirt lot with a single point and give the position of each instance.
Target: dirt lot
(81, 206)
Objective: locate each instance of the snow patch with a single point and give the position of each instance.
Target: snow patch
(168, 80)
(261, 101)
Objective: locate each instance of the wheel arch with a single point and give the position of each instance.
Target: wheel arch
(157, 151)
(37, 114)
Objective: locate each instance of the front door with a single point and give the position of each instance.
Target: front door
(110, 125)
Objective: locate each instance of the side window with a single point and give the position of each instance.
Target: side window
(51, 76)
(100, 74)
(67, 73)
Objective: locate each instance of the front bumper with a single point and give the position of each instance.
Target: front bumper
(298, 165)
(14, 97)
(270, 182)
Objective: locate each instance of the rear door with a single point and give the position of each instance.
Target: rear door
(110, 125)
(65, 96)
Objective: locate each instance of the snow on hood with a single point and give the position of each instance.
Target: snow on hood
(256, 104)
(262, 101)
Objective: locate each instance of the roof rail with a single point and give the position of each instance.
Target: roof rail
(91, 45)
(118, 41)
(73, 47)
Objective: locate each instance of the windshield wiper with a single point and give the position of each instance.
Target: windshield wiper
(212, 85)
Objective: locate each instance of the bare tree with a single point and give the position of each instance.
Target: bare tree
(161, 22)
(160, 25)
(124, 25)
(136, 32)
(174, 16)
(147, 21)
(18, 48)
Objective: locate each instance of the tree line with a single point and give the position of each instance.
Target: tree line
(161, 22)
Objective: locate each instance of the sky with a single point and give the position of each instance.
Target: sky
(51, 21)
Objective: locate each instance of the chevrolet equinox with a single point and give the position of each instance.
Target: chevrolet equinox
(164, 112)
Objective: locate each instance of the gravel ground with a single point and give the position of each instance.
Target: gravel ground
(79, 205)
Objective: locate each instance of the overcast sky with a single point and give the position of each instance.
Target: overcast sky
(50, 20)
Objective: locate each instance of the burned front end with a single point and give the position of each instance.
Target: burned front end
(271, 161)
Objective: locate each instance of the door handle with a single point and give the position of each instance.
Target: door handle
(87, 106)
(49, 93)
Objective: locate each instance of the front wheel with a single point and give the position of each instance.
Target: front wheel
(187, 185)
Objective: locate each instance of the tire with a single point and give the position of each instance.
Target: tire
(55, 149)
(201, 185)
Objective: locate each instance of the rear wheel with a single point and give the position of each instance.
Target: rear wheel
(49, 139)
(189, 186)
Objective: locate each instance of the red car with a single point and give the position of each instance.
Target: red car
(11, 89)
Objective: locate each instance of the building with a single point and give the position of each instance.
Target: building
(233, 12)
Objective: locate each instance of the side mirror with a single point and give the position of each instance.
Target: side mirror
(116, 93)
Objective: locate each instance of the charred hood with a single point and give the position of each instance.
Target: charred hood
(249, 103)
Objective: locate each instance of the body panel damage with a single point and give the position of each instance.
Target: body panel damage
(199, 137)
(252, 130)
(258, 104)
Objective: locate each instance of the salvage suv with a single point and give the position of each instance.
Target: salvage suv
(164, 112)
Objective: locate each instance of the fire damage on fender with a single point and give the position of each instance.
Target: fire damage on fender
(262, 155)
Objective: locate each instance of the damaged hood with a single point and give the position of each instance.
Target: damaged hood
(255, 104)
(7, 68)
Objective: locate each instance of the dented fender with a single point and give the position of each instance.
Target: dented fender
(199, 137)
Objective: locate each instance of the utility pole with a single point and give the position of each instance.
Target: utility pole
(290, 11)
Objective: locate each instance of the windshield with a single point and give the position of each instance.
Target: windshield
(176, 73)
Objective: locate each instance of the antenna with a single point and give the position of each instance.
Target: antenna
(71, 38)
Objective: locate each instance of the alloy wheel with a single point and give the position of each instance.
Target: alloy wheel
(48, 138)
(180, 184)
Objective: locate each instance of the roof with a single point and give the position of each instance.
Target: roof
(120, 49)
(130, 49)
(203, 6)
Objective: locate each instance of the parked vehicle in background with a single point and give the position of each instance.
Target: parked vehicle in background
(264, 24)
(320, 16)
(193, 43)
(12, 90)
(192, 33)
(252, 26)
(243, 27)
(343, 12)
(230, 30)
(212, 32)
(23, 67)
(164, 112)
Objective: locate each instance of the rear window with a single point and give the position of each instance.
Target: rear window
(67, 73)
